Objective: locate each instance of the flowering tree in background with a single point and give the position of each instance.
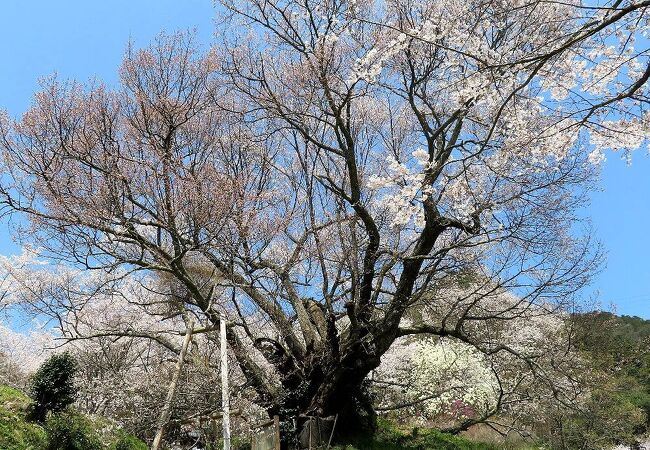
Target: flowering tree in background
(452, 384)
(429, 380)
(334, 163)
(21, 354)
(125, 340)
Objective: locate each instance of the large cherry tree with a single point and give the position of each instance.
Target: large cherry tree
(331, 168)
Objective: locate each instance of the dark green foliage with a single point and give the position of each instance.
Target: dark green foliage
(620, 346)
(608, 419)
(614, 338)
(618, 410)
(69, 430)
(52, 386)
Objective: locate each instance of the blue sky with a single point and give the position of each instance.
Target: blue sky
(85, 39)
(620, 213)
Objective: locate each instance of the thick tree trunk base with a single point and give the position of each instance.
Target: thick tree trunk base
(354, 416)
(357, 417)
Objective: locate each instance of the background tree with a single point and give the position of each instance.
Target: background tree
(618, 408)
(452, 385)
(125, 342)
(333, 164)
(52, 387)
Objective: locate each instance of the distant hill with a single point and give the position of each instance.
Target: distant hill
(619, 345)
(604, 332)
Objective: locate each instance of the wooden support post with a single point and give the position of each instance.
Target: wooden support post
(276, 426)
(329, 442)
(225, 394)
(166, 410)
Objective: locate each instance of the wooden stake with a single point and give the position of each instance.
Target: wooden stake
(276, 426)
(225, 394)
(166, 411)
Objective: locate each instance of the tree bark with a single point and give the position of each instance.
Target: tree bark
(328, 388)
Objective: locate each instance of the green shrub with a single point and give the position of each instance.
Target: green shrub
(52, 386)
(127, 442)
(236, 443)
(606, 420)
(69, 430)
(66, 430)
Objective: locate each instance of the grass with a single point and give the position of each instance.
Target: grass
(16, 433)
(391, 437)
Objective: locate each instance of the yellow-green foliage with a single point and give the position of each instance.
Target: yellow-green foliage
(15, 432)
(70, 428)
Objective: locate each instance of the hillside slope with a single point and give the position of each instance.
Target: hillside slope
(15, 432)
(68, 430)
